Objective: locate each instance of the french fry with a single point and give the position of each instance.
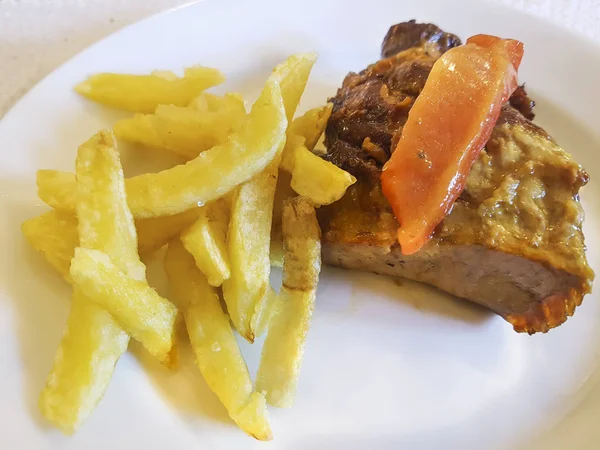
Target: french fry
(105, 222)
(284, 345)
(54, 235)
(146, 316)
(318, 180)
(232, 102)
(93, 341)
(143, 93)
(312, 177)
(156, 232)
(209, 176)
(214, 172)
(249, 232)
(304, 132)
(152, 233)
(217, 353)
(57, 189)
(217, 171)
(183, 131)
(312, 124)
(266, 312)
(205, 240)
(90, 348)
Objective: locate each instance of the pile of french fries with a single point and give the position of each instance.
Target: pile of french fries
(226, 217)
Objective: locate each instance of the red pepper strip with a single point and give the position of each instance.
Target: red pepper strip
(447, 127)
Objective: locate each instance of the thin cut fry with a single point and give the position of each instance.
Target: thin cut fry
(251, 216)
(217, 353)
(284, 345)
(145, 315)
(143, 93)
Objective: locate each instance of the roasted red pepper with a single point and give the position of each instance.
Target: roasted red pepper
(447, 127)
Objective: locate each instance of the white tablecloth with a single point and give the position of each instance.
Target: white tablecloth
(38, 35)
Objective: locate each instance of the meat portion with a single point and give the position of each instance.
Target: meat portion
(513, 240)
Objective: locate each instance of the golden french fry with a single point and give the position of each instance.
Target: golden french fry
(91, 346)
(156, 232)
(143, 93)
(249, 232)
(54, 234)
(145, 315)
(304, 132)
(57, 189)
(184, 131)
(105, 222)
(217, 171)
(93, 341)
(266, 312)
(232, 102)
(217, 353)
(214, 172)
(284, 345)
(318, 180)
(205, 240)
(312, 177)
(152, 233)
(312, 124)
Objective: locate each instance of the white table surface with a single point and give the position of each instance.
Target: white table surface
(36, 36)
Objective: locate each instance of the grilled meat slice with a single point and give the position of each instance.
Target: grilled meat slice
(513, 240)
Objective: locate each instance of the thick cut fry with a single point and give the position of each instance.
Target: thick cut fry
(54, 234)
(93, 341)
(145, 315)
(266, 312)
(143, 93)
(313, 177)
(217, 171)
(183, 131)
(249, 233)
(232, 102)
(205, 240)
(156, 232)
(304, 132)
(91, 346)
(105, 222)
(214, 172)
(312, 124)
(57, 189)
(284, 346)
(217, 353)
(318, 180)
(152, 233)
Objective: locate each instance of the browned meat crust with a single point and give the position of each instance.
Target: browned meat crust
(513, 241)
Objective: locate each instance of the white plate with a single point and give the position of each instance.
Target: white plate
(385, 366)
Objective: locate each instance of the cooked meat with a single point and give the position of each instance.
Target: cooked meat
(513, 240)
